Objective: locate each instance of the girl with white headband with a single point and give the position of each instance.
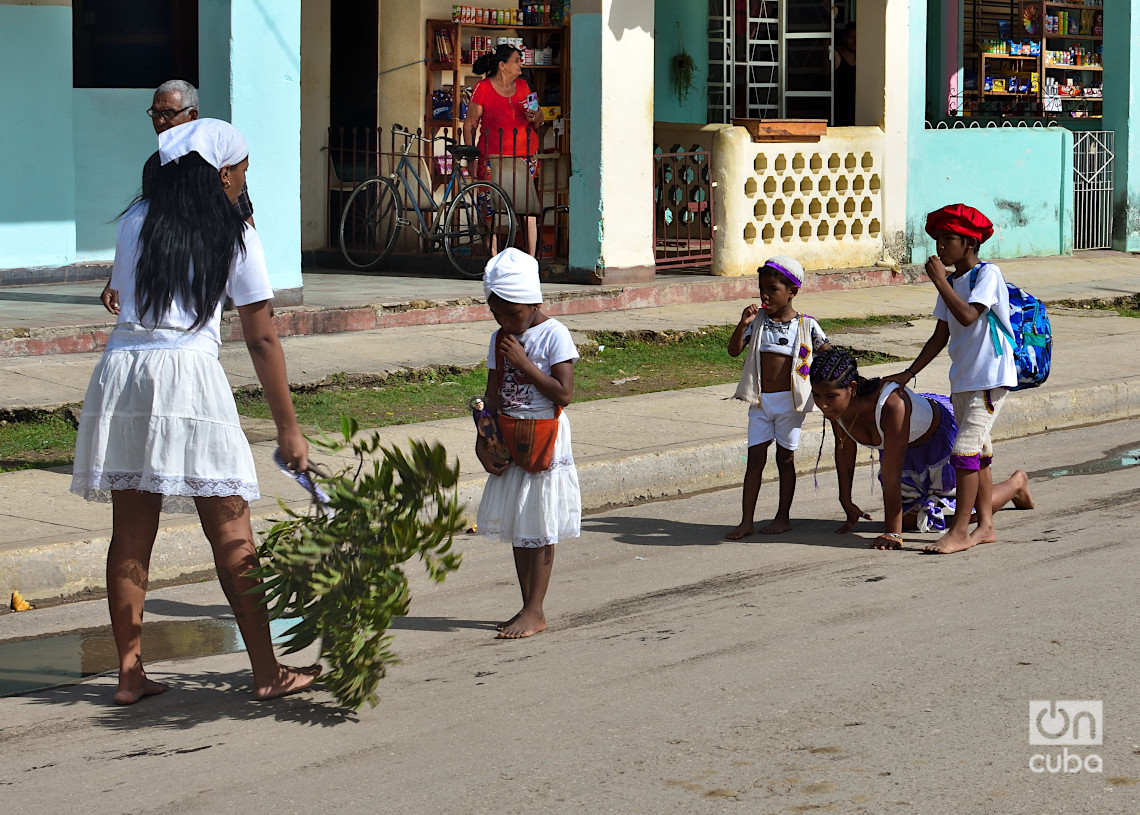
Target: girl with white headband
(533, 500)
(160, 429)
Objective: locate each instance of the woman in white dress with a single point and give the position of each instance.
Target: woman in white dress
(160, 429)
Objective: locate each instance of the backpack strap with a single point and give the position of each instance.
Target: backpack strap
(996, 325)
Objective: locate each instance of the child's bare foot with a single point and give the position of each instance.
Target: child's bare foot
(132, 689)
(777, 526)
(288, 680)
(951, 542)
(526, 624)
(511, 621)
(1022, 499)
(742, 531)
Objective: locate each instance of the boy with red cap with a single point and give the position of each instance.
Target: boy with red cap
(979, 378)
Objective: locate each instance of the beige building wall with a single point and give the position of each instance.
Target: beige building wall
(316, 46)
(820, 203)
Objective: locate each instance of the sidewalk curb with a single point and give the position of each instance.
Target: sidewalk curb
(73, 568)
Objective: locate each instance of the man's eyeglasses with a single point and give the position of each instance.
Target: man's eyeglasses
(167, 114)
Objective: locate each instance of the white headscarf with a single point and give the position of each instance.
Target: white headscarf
(219, 143)
(513, 275)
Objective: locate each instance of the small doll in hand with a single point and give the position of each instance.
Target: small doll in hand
(488, 428)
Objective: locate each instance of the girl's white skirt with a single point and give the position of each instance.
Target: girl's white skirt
(159, 416)
(535, 509)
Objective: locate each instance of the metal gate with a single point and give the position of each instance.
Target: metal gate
(1092, 189)
(682, 203)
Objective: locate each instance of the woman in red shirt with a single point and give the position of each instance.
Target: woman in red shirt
(499, 113)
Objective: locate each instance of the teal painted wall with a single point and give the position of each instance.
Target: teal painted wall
(214, 59)
(1021, 178)
(694, 22)
(265, 68)
(113, 138)
(585, 146)
(1121, 87)
(37, 172)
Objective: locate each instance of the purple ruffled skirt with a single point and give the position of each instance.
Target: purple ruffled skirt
(928, 479)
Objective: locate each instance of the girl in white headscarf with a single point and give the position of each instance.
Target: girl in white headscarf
(160, 429)
(534, 501)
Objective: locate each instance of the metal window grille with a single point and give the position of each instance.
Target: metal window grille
(722, 62)
(1092, 189)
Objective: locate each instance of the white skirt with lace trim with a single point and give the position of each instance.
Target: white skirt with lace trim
(530, 510)
(162, 420)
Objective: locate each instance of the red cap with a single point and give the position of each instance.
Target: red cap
(961, 220)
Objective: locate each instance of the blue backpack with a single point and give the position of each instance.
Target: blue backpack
(1031, 339)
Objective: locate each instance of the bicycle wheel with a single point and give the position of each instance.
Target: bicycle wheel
(480, 223)
(369, 223)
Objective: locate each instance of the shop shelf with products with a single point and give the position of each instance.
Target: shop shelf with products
(1009, 75)
(1072, 58)
(450, 76)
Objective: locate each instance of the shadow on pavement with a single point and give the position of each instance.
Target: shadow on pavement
(176, 608)
(193, 700)
(44, 297)
(638, 531)
(441, 624)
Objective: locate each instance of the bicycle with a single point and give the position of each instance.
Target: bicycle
(475, 214)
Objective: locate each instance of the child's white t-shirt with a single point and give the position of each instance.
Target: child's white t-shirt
(546, 344)
(974, 365)
(248, 280)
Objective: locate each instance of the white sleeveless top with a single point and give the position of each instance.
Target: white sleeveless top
(921, 415)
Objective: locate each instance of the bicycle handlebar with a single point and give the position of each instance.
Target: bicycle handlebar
(399, 129)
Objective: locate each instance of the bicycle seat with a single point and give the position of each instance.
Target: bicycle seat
(463, 151)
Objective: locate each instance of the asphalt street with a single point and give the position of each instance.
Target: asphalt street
(680, 673)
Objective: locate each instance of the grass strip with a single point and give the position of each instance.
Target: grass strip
(618, 364)
(41, 440)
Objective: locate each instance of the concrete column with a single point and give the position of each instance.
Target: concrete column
(316, 44)
(611, 134)
(250, 57)
(1121, 87)
(890, 86)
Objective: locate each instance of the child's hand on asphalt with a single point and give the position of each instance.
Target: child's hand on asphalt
(935, 270)
(749, 314)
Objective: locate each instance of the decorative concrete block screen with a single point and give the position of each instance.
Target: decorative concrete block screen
(820, 203)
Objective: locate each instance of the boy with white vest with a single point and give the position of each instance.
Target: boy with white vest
(775, 385)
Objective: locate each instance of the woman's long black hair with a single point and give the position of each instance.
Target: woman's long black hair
(488, 64)
(190, 220)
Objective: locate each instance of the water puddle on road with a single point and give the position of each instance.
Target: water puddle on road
(58, 659)
(1119, 459)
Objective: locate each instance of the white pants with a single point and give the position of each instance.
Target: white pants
(776, 418)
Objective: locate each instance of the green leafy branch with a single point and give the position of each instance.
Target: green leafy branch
(340, 569)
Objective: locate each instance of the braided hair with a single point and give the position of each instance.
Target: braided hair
(839, 366)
